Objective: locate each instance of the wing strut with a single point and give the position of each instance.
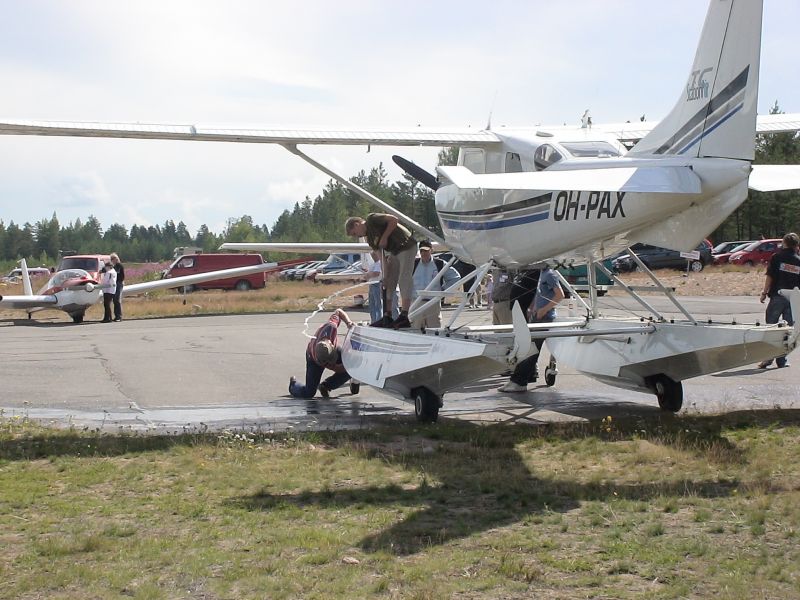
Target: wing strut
(366, 195)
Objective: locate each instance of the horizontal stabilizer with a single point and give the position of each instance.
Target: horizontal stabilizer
(27, 301)
(666, 180)
(321, 247)
(774, 178)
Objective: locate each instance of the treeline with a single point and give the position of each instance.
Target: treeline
(322, 219)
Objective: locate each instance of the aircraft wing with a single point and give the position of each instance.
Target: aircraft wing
(321, 247)
(25, 302)
(775, 178)
(414, 136)
(667, 180)
(629, 133)
(173, 282)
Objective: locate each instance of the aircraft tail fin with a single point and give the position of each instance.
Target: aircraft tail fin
(27, 288)
(715, 115)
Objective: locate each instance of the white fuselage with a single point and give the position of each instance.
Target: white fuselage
(516, 227)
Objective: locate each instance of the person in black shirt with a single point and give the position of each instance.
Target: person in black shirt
(120, 278)
(783, 273)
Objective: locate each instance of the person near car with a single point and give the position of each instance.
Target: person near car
(120, 269)
(385, 233)
(426, 268)
(783, 273)
(108, 283)
(323, 353)
(543, 310)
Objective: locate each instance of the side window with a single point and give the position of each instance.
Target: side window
(186, 263)
(473, 159)
(769, 246)
(545, 156)
(513, 163)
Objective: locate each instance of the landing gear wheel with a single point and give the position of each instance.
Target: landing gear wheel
(426, 405)
(355, 387)
(550, 373)
(77, 317)
(668, 391)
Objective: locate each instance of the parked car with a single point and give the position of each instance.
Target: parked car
(352, 274)
(729, 246)
(721, 258)
(333, 264)
(15, 275)
(299, 272)
(578, 279)
(662, 258)
(91, 263)
(756, 253)
(191, 264)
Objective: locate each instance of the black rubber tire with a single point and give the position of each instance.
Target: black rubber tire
(549, 377)
(243, 286)
(695, 266)
(668, 391)
(426, 405)
(355, 388)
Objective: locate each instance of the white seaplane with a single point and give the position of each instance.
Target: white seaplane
(75, 290)
(522, 197)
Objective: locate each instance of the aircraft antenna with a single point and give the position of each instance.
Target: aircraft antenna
(491, 110)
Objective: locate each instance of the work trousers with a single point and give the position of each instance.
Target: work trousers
(313, 376)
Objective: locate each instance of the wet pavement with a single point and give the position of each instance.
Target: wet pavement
(215, 372)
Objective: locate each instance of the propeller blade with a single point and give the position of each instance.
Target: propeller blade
(424, 177)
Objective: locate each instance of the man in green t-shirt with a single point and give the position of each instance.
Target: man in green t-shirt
(384, 232)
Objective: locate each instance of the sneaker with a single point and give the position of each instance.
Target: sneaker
(324, 390)
(783, 366)
(764, 364)
(513, 387)
(118, 319)
(401, 322)
(384, 321)
(292, 381)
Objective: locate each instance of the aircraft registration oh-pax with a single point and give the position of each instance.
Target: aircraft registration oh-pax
(74, 290)
(520, 197)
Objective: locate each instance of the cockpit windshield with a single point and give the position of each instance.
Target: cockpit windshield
(60, 277)
(590, 149)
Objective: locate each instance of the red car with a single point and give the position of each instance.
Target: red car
(756, 253)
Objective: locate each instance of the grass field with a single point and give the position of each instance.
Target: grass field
(668, 507)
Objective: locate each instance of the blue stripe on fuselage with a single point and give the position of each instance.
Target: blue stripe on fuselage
(471, 225)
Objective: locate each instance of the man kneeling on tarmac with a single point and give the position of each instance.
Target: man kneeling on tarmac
(323, 353)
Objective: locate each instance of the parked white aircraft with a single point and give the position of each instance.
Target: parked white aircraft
(74, 290)
(523, 196)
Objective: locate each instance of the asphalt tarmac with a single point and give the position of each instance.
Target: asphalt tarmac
(216, 372)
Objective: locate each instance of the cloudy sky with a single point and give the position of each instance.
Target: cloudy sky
(318, 64)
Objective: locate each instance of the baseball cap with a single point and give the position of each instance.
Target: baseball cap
(425, 245)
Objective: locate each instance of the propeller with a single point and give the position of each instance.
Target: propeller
(424, 177)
